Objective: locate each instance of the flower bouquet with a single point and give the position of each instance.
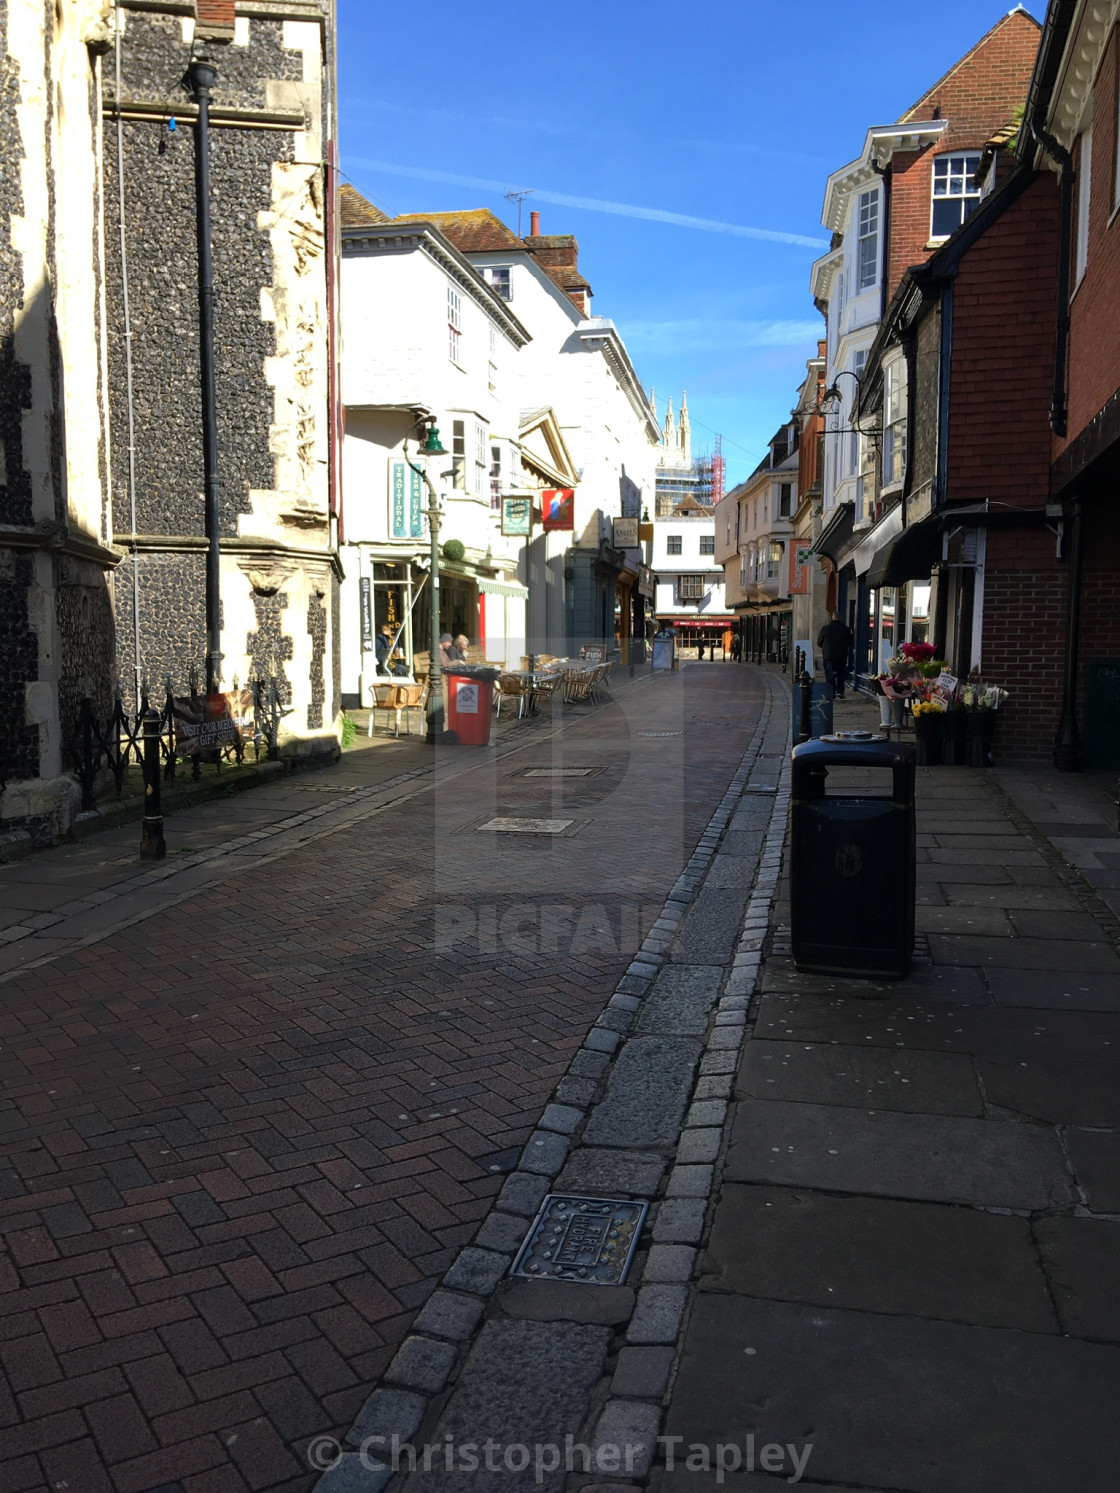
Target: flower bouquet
(916, 654)
(979, 701)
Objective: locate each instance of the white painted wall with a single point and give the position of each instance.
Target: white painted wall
(395, 352)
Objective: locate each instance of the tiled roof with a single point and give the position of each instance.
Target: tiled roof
(355, 211)
(566, 278)
(476, 231)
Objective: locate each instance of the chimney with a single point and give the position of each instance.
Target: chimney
(534, 224)
(215, 20)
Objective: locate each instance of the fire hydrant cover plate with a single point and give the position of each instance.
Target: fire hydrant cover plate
(587, 1240)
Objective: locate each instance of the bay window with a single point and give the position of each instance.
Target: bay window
(894, 422)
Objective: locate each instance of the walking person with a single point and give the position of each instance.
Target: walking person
(835, 642)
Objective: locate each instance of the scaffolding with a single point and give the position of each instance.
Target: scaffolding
(698, 481)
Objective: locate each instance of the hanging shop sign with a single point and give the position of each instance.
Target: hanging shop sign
(365, 597)
(800, 572)
(517, 517)
(406, 519)
(625, 533)
(647, 582)
(558, 508)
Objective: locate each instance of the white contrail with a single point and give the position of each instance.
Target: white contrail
(564, 129)
(595, 204)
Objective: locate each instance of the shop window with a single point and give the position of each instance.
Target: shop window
(673, 545)
(690, 588)
(707, 544)
(774, 553)
(459, 455)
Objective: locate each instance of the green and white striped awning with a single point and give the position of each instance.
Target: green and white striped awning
(503, 588)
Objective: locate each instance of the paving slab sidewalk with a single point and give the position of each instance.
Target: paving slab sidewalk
(914, 1253)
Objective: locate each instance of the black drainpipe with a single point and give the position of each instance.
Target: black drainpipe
(202, 76)
(1064, 160)
(1067, 747)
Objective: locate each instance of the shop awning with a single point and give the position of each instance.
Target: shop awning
(672, 621)
(503, 588)
(836, 533)
(909, 556)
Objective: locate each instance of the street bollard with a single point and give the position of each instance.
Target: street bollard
(805, 725)
(152, 847)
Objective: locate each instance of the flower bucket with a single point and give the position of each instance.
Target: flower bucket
(978, 738)
(927, 738)
(953, 750)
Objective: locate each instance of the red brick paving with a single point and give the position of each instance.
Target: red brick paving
(243, 1137)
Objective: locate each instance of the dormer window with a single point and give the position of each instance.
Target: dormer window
(868, 238)
(954, 195)
(497, 277)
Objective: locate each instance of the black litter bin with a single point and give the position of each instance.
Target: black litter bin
(852, 859)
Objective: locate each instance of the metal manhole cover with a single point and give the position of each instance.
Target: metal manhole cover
(761, 788)
(587, 1240)
(660, 733)
(527, 826)
(559, 772)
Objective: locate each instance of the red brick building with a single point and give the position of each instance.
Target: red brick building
(902, 201)
(1072, 117)
(977, 326)
(975, 98)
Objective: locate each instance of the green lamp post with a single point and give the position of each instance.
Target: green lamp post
(431, 449)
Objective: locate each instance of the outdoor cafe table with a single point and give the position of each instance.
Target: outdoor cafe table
(533, 677)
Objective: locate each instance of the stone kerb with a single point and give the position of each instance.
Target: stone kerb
(639, 1113)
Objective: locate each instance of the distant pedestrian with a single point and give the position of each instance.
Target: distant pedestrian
(728, 639)
(448, 653)
(835, 642)
(736, 648)
(462, 646)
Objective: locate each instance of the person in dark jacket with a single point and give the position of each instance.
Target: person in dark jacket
(390, 660)
(835, 642)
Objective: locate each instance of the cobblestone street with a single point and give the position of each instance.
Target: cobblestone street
(247, 1131)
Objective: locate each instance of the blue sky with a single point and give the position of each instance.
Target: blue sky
(722, 119)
